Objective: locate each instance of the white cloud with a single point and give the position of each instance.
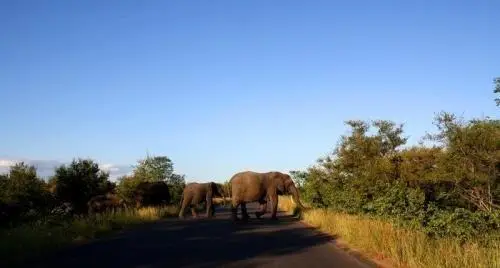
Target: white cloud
(45, 168)
(5, 163)
(109, 167)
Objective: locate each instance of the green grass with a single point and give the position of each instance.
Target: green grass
(396, 246)
(41, 237)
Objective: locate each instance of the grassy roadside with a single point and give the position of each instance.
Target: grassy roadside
(43, 236)
(46, 235)
(399, 247)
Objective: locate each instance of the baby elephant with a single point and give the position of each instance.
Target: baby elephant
(101, 203)
(195, 193)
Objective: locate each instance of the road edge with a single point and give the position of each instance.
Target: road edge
(354, 252)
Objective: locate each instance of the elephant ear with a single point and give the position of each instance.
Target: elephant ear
(287, 180)
(279, 182)
(211, 188)
(220, 189)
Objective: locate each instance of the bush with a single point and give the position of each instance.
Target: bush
(37, 238)
(152, 169)
(397, 246)
(23, 196)
(461, 223)
(79, 181)
(447, 190)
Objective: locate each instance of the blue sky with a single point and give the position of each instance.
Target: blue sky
(225, 86)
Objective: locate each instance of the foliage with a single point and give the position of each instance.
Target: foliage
(496, 81)
(152, 169)
(176, 184)
(32, 240)
(226, 188)
(396, 246)
(79, 181)
(298, 178)
(25, 198)
(23, 195)
(22, 184)
(40, 215)
(127, 186)
(448, 189)
(472, 158)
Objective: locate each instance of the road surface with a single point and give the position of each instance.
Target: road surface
(202, 242)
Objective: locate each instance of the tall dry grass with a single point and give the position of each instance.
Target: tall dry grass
(45, 235)
(402, 248)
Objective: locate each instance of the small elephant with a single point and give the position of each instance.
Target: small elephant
(250, 186)
(195, 193)
(101, 203)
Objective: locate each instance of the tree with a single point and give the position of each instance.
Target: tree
(298, 178)
(22, 185)
(472, 158)
(127, 186)
(79, 181)
(226, 188)
(368, 158)
(176, 185)
(449, 188)
(3, 187)
(23, 196)
(496, 81)
(154, 168)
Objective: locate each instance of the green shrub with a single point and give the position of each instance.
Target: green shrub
(461, 223)
(447, 190)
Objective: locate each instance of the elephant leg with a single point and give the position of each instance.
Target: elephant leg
(185, 203)
(213, 210)
(274, 208)
(244, 213)
(263, 208)
(210, 208)
(181, 211)
(234, 209)
(193, 211)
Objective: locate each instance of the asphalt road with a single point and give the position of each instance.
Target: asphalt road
(216, 242)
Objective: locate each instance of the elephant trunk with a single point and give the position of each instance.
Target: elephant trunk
(296, 197)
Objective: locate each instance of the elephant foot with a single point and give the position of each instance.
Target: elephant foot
(259, 214)
(239, 222)
(274, 218)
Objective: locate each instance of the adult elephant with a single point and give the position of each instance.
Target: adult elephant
(250, 186)
(152, 194)
(195, 193)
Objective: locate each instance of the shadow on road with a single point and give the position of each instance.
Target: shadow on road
(200, 242)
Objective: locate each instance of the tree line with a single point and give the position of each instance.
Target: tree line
(447, 187)
(25, 197)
